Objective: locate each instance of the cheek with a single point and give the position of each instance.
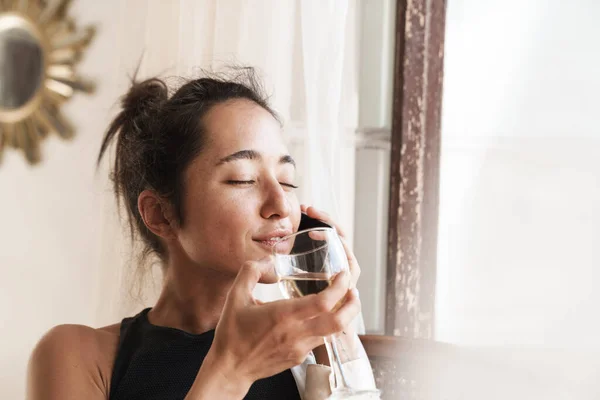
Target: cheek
(217, 212)
(211, 236)
(233, 216)
(295, 213)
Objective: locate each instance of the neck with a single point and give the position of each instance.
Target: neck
(192, 298)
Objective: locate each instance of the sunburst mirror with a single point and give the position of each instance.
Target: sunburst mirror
(40, 47)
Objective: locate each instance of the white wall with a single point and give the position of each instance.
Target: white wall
(519, 225)
(51, 238)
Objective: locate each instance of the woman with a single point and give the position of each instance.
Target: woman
(208, 186)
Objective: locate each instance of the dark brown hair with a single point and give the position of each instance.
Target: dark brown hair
(157, 136)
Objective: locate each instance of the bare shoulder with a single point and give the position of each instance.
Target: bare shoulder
(73, 361)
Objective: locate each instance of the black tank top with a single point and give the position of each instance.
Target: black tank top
(161, 363)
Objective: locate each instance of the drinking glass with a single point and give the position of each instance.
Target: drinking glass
(306, 263)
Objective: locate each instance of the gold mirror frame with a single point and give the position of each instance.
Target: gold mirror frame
(62, 45)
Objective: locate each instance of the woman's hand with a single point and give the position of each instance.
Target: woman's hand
(256, 340)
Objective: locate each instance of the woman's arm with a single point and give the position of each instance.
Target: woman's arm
(217, 380)
(64, 365)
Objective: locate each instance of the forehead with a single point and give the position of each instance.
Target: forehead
(242, 125)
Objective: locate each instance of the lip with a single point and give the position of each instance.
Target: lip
(266, 239)
(278, 233)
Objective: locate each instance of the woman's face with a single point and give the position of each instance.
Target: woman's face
(239, 192)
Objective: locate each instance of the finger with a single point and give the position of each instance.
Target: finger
(303, 208)
(305, 346)
(352, 262)
(248, 276)
(323, 216)
(331, 323)
(267, 270)
(318, 235)
(323, 235)
(315, 341)
(323, 302)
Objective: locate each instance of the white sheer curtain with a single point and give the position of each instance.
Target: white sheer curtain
(305, 52)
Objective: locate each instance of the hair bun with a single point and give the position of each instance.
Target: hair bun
(140, 105)
(145, 98)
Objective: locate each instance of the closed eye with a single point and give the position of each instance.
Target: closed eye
(250, 182)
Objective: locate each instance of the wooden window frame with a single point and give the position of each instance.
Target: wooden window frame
(414, 168)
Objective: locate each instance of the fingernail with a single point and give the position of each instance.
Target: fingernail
(356, 293)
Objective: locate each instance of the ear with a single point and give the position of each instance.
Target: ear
(157, 214)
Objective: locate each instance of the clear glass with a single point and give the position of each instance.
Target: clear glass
(307, 262)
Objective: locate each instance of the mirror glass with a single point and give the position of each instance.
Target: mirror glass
(21, 63)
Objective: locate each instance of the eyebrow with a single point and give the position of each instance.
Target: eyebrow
(253, 155)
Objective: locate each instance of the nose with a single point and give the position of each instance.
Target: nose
(276, 204)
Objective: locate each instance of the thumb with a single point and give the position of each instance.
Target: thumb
(249, 275)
